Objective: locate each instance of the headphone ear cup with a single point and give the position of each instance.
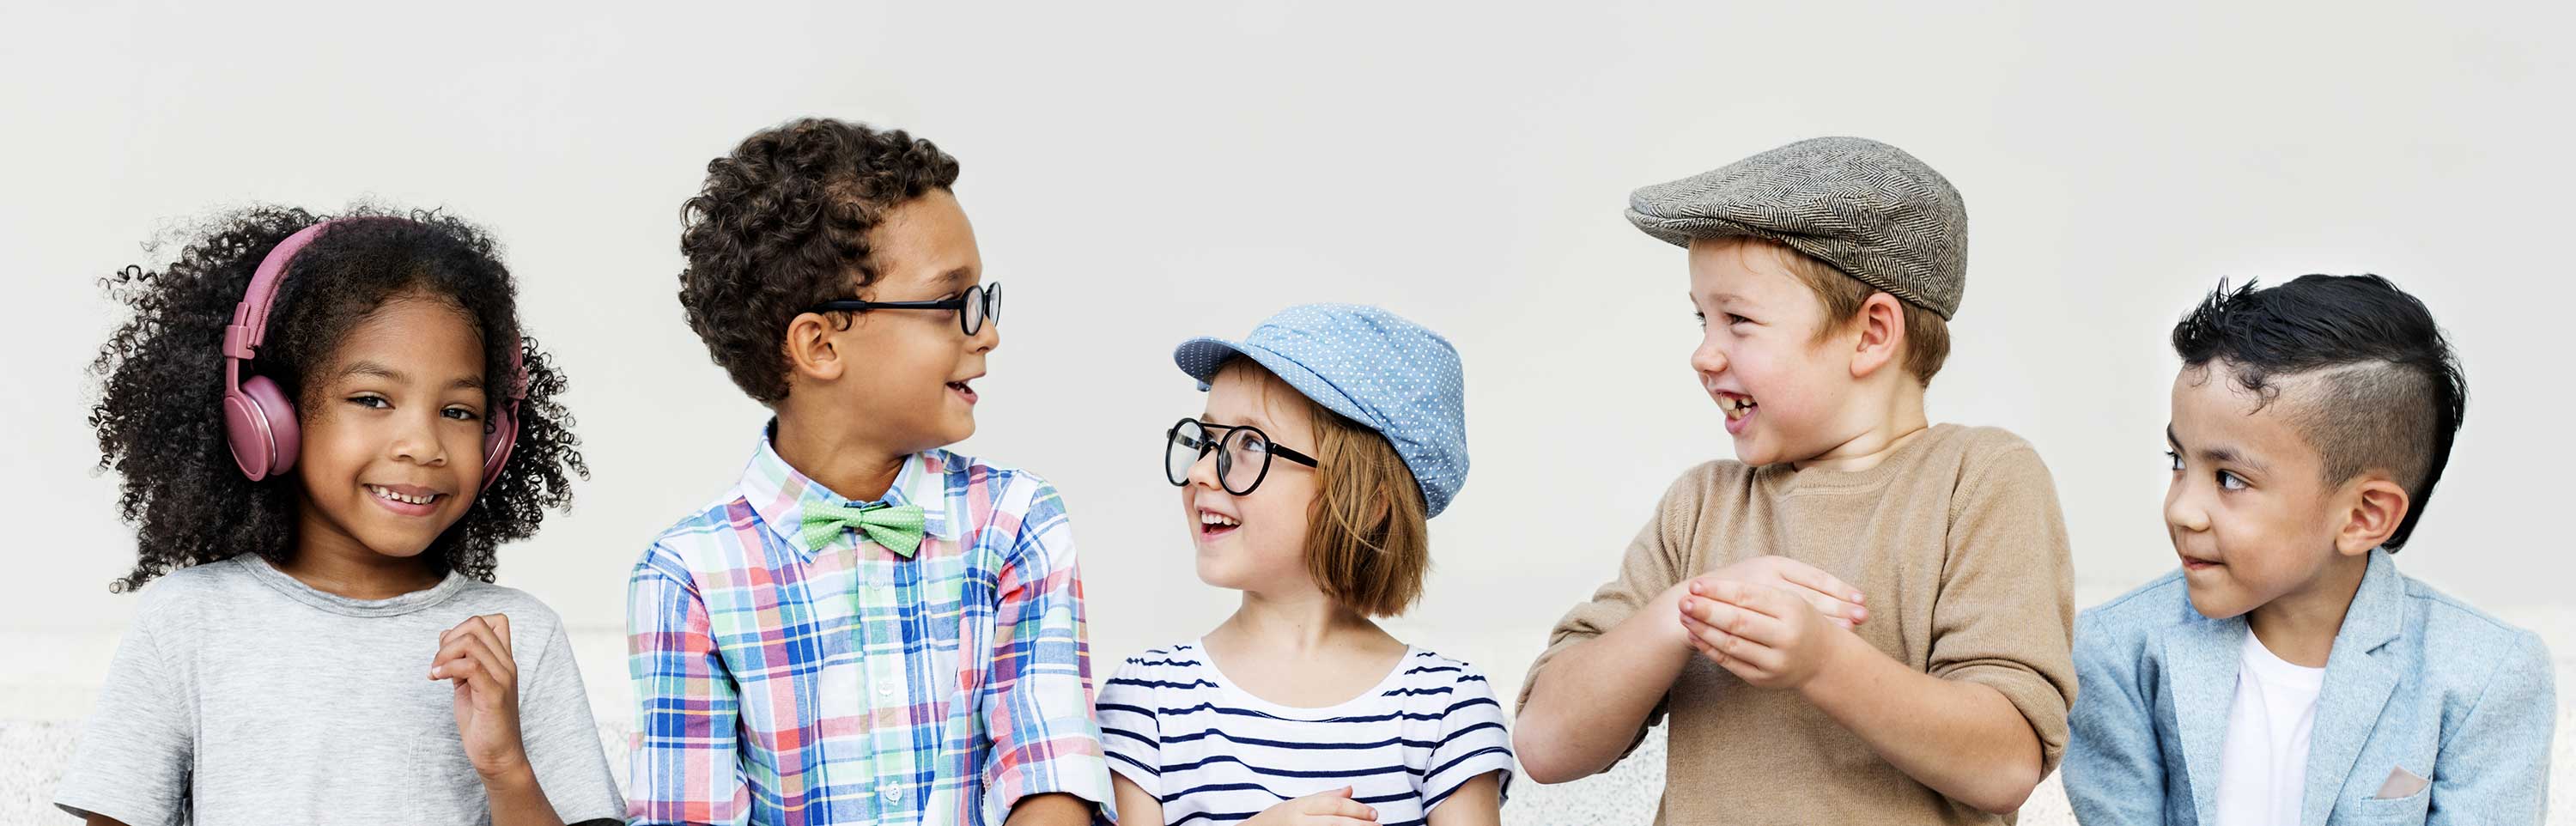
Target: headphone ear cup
(260, 425)
(497, 444)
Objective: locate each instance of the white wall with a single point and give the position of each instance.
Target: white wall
(1142, 176)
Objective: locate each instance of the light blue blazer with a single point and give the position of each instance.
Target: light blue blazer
(2417, 680)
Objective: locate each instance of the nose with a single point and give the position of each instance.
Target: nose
(1203, 472)
(1708, 359)
(988, 337)
(415, 439)
(2183, 511)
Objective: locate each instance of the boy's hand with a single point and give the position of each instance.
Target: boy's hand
(475, 655)
(1333, 808)
(1837, 600)
(1769, 637)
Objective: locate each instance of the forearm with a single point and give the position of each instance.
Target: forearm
(1963, 739)
(517, 800)
(1050, 809)
(1586, 706)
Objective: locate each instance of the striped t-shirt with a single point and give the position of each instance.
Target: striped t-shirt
(1214, 753)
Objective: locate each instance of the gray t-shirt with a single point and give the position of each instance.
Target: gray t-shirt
(243, 696)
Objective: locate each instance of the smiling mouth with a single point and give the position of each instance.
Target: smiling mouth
(1213, 524)
(391, 495)
(1736, 406)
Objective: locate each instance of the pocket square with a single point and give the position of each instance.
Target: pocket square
(2401, 783)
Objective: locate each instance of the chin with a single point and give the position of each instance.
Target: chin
(2216, 603)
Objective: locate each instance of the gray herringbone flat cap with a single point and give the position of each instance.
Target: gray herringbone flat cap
(1865, 207)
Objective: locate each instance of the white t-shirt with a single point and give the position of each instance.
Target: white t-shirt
(1213, 753)
(2263, 769)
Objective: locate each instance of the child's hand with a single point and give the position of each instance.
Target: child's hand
(1769, 637)
(1838, 601)
(1333, 808)
(475, 655)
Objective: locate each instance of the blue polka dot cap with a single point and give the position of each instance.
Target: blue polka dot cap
(1393, 375)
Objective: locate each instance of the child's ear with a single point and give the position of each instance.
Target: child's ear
(1882, 334)
(2377, 506)
(810, 350)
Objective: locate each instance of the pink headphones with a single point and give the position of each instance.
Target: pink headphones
(259, 421)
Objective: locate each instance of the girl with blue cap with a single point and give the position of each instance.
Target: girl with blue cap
(1331, 435)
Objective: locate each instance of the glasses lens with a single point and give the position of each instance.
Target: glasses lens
(971, 316)
(993, 303)
(1187, 443)
(1247, 454)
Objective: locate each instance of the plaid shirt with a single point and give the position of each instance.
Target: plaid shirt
(784, 684)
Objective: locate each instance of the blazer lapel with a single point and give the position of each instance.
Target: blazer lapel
(2359, 680)
(2201, 660)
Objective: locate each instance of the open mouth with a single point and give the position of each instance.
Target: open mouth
(405, 499)
(1738, 407)
(964, 390)
(1213, 524)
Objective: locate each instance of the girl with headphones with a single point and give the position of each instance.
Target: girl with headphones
(323, 430)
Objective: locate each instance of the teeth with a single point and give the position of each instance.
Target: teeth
(388, 494)
(1735, 406)
(1214, 518)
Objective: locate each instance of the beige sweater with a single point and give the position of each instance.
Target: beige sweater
(1958, 545)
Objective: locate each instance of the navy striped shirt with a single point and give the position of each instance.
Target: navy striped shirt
(1215, 754)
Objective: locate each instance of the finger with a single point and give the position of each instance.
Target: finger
(1712, 654)
(481, 629)
(450, 651)
(1817, 580)
(1759, 599)
(1341, 807)
(469, 655)
(1740, 622)
(501, 628)
(1732, 665)
(462, 670)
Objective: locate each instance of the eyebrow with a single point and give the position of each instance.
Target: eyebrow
(2220, 455)
(370, 368)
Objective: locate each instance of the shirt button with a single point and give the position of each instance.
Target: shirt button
(885, 689)
(893, 792)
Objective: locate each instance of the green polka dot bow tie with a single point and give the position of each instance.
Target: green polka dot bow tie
(897, 527)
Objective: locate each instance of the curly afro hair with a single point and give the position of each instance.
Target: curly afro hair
(159, 415)
(782, 225)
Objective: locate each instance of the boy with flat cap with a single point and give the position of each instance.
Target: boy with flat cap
(1864, 617)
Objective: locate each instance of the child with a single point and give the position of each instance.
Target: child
(866, 628)
(2288, 673)
(1823, 272)
(324, 429)
(1330, 435)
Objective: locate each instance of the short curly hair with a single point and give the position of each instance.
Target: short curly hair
(782, 225)
(159, 413)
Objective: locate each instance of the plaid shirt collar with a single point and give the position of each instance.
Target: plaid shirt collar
(779, 492)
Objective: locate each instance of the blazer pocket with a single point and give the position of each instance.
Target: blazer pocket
(2383, 811)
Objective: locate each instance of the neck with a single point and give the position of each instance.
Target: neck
(329, 560)
(1299, 623)
(2300, 626)
(842, 462)
(1883, 428)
